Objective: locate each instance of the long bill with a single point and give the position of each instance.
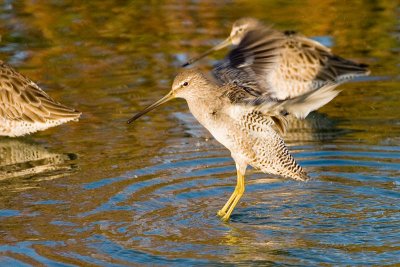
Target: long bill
(219, 46)
(166, 98)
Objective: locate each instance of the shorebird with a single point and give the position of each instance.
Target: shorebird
(243, 115)
(25, 108)
(302, 64)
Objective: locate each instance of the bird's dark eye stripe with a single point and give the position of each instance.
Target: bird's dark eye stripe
(185, 84)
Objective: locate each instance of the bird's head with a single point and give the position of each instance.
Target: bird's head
(240, 28)
(185, 85)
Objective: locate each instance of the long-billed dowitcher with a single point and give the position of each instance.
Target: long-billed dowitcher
(25, 108)
(302, 64)
(241, 114)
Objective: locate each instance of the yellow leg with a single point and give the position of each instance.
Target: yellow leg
(224, 209)
(227, 209)
(239, 194)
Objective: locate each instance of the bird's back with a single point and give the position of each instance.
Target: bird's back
(25, 108)
(304, 64)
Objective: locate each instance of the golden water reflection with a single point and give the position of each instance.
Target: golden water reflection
(148, 193)
(24, 160)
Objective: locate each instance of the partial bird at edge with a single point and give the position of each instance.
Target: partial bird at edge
(25, 108)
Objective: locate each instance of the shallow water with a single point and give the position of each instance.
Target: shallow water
(102, 193)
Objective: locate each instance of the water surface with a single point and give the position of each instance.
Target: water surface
(102, 193)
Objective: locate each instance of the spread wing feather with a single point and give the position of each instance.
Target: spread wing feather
(284, 65)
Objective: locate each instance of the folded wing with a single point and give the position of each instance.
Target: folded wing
(22, 100)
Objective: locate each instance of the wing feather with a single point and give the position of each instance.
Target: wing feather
(255, 55)
(22, 100)
(284, 65)
(299, 106)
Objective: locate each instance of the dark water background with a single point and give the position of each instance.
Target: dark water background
(102, 193)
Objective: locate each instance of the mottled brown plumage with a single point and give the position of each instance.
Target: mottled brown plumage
(25, 108)
(242, 108)
(244, 128)
(284, 64)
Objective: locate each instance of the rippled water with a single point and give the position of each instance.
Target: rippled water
(102, 193)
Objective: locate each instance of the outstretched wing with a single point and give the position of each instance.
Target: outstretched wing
(22, 100)
(299, 106)
(276, 110)
(283, 65)
(246, 65)
(255, 121)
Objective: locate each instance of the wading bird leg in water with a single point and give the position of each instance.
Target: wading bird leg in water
(227, 209)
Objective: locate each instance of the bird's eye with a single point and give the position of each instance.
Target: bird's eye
(185, 84)
(240, 29)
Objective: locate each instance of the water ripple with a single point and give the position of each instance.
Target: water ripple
(102, 193)
(187, 189)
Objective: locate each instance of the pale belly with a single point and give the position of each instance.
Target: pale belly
(18, 128)
(223, 130)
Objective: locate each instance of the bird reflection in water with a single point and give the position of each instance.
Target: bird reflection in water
(26, 160)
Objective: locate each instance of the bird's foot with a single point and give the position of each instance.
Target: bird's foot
(221, 213)
(225, 218)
